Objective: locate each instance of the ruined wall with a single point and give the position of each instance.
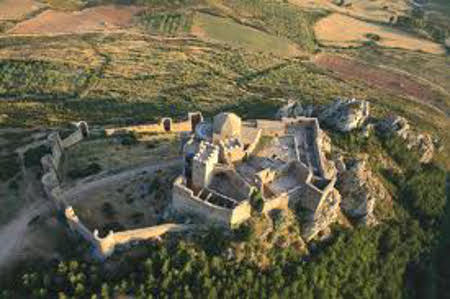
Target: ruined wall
(161, 126)
(107, 244)
(76, 225)
(51, 163)
(271, 127)
(252, 146)
(72, 139)
(280, 202)
(241, 213)
(230, 155)
(184, 201)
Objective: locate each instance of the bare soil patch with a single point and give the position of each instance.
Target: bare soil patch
(344, 31)
(11, 10)
(100, 18)
(399, 83)
(380, 11)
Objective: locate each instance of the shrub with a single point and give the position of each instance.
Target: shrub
(257, 201)
(129, 139)
(244, 232)
(33, 156)
(91, 169)
(425, 193)
(9, 167)
(108, 210)
(373, 36)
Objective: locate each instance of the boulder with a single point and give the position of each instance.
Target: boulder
(361, 190)
(345, 115)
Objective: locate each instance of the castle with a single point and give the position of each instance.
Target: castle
(231, 168)
(223, 170)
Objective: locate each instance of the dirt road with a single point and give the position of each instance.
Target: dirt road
(12, 235)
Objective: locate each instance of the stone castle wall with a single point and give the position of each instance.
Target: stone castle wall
(165, 125)
(51, 163)
(185, 201)
(271, 127)
(106, 246)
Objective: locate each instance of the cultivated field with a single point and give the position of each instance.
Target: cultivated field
(386, 79)
(338, 30)
(226, 30)
(100, 18)
(378, 11)
(13, 10)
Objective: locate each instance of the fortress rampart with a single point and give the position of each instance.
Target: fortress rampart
(106, 246)
(51, 163)
(51, 180)
(165, 125)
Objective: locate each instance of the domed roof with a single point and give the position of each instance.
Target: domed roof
(227, 125)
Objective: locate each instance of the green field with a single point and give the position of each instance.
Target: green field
(228, 31)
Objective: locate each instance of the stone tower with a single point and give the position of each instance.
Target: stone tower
(203, 165)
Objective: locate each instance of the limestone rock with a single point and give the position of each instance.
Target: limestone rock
(421, 142)
(345, 115)
(360, 190)
(294, 109)
(319, 222)
(287, 110)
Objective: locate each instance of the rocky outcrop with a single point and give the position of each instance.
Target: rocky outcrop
(361, 190)
(317, 225)
(294, 109)
(345, 115)
(421, 142)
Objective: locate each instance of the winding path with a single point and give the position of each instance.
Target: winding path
(12, 234)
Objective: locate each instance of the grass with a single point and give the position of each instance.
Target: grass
(228, 31)
(34, 77)
(279, 18)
